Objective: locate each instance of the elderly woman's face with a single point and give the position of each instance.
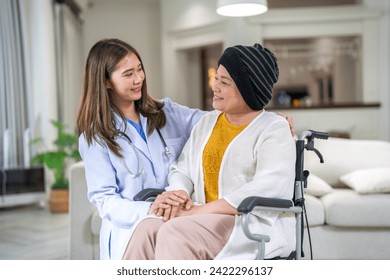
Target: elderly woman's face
(227, 98)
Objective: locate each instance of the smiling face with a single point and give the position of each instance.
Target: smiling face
(126, 81)
(227, 98)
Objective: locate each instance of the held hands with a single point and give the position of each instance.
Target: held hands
(177, 203)
(170, 204)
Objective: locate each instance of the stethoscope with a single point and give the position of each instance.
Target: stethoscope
(140, 169)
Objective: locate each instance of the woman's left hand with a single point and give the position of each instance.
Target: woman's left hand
(195, 209)
(219, 206)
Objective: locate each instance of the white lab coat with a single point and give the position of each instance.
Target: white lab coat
(111, 187)
(260, 161)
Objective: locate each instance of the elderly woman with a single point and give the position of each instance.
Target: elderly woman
(236, 151)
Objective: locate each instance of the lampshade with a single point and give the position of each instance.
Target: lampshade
(241, 8)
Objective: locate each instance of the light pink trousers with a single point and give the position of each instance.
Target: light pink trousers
(196, 237)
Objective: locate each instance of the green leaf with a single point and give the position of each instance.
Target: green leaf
(66, 140)
(36, 141)
(75, 155)
(60, 184)
(66, 146)
(55, 160)
(38, 159)
(59, 125)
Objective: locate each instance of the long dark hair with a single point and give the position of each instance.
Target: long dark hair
(96, 112)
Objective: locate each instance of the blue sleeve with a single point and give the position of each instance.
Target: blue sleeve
(186, 118)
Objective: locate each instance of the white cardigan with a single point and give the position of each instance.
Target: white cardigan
(260, 161)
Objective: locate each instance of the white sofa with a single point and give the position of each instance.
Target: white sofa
(346, 222)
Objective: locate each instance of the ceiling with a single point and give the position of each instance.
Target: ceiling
(272, 4)
(276, 3)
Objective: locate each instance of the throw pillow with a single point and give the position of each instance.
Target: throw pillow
(372, 180)
(317, 186)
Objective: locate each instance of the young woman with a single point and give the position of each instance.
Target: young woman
(236, 151)
(127, 139)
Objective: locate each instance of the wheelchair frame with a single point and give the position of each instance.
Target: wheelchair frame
(296, 205)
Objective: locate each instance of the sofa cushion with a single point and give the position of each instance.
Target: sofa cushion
(371, 180)
(317, 187)
(96, 223)
(315, 211)
(347, 208)
(342, 156)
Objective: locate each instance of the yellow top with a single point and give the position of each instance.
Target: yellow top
(223, 133)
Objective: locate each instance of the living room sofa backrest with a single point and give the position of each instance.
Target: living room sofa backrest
(342, 156)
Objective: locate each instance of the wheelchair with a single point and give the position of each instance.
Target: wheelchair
(296, 205)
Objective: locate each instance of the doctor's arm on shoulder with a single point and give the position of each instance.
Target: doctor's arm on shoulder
(290, 122)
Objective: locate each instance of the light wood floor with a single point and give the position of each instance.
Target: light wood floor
(33, 233)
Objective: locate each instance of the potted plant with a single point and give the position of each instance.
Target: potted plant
(65, 148)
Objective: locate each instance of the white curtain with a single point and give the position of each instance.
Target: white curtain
(69, 53)
(13, 109)
(41, 60)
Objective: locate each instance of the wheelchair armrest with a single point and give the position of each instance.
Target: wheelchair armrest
(147, 193)
(251, 202)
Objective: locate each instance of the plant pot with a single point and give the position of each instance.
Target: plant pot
(59, 200)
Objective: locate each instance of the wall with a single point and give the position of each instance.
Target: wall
(196, 24)
(165, 32)
(189, 24)
(136, 22)
(359, 123)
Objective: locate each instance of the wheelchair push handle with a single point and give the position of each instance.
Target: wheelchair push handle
(319, 134)
(311, 134)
